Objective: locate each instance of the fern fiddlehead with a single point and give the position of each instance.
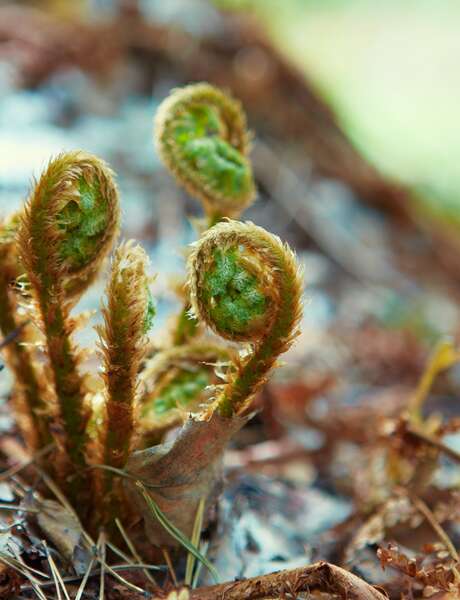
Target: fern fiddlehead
(245, 285)
(128, 317)
(67, 228)
(178, 381)
(29, 392)
(201, 136)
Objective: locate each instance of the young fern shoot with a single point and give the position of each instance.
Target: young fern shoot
(201, 136)
(246, 286)
(128, 317)
(29, 392)
(67, 228)
(178, 381)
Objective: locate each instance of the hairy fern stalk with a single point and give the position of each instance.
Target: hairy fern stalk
(108, 431)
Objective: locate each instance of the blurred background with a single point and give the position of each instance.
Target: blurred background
(354, 109)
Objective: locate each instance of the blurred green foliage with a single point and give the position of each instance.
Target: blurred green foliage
(390, 69)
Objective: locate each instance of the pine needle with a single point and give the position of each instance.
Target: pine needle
(101, 557)
(196, 534)
(82, 587)
(18, 566)
(59, 583)
(18, 508)
(133, 550)
(204, 550)
(175, 532)
(429, 516)
(15, 563)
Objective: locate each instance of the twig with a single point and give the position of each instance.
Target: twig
(432, 441)
(321, 576)
(429, 516)
(170, 566)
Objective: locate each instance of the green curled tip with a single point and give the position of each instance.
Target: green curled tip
(202, 138)
(70, 222)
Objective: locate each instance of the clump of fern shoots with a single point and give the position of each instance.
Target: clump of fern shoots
(151, 432)
(243, 283)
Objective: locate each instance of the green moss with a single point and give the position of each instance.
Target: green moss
(182, 391)
(232, 293)
(83, 223)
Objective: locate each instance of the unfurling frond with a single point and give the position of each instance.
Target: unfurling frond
(67, 228)
(246, 286)
(202, 138)
(127, 318)
(69, 223)
(178, 382)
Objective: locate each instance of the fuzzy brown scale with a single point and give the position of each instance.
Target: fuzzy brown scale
(28, 395)
(123, 345)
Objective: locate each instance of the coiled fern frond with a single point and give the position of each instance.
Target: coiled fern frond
(201, 136)
(246, 286)
(178, 382)
(67, 228)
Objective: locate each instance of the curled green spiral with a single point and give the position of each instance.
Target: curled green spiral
(202, 138)
(245, 284)
(177, 382)
(70, 223)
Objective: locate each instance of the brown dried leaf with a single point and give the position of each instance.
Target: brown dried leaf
(179, 473)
